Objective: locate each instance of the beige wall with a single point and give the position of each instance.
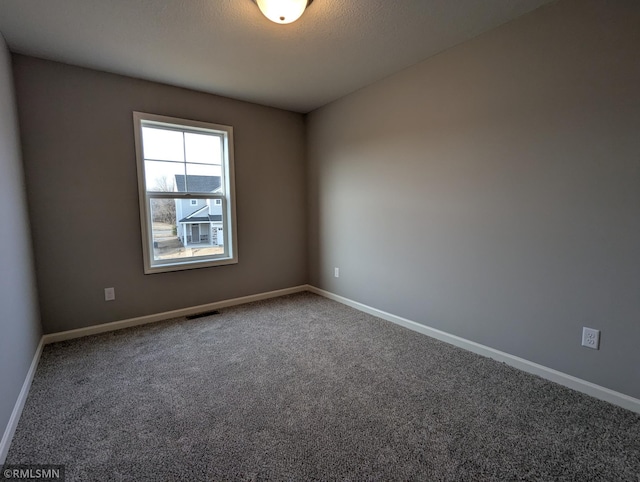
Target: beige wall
(78, 143)
(493, 191)
(19, 321)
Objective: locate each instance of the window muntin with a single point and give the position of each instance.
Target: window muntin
(179, 162)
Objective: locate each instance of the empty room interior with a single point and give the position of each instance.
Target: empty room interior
(320, 240)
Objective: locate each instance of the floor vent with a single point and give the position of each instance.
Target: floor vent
(201, 315)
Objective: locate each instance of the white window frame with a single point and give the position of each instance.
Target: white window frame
(230, 255)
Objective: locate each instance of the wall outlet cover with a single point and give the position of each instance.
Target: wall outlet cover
(109, 294)
(591, 338)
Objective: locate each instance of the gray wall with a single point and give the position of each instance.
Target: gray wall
(19, 320)
(78, 147)
(493, 191)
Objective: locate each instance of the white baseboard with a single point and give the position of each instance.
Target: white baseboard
(17, 408)
(597, 391)
(143, 320)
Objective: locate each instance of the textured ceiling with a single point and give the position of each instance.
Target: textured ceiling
(228, 47)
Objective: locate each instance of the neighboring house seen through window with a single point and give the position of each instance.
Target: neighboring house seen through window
(186, 188)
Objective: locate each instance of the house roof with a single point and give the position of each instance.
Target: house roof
(202, 219)
(197, 183)
(197, 211)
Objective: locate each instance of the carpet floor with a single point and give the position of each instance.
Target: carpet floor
(301, 388)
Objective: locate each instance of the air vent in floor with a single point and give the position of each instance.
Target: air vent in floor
(201, 315)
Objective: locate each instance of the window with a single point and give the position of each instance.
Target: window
(186, 191)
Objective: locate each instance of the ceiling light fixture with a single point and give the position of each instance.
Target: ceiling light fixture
(283, 11)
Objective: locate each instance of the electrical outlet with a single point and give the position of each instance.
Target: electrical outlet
(109, 294)
(591, 338)
(336, 272)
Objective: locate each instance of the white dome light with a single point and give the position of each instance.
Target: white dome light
(282, 11)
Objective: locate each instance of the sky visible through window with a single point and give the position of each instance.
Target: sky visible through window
(165, 151)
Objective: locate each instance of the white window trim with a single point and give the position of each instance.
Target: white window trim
(229, 224)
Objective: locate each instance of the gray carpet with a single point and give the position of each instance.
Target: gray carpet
(301, 387)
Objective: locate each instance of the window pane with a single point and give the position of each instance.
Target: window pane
(164, 176)
(204, 178)
(203, 148)
(182, 231)
(162, 144)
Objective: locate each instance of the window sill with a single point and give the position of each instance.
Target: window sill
(185, 265)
